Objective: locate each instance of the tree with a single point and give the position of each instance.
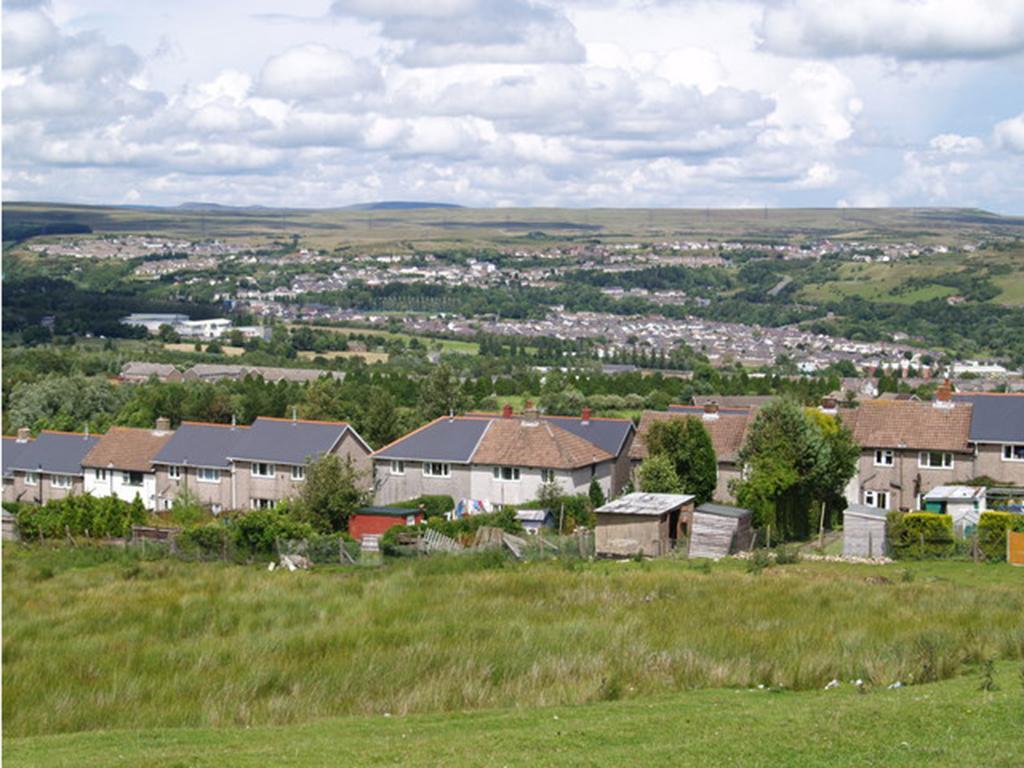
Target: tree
(440, 393)
(794, 460)
(595, 494)
(380, 426)
(657, 474)
(687, 445)
(167, 334)
(331, 493)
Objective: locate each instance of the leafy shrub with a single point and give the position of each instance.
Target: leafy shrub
(257, 532)
(786, 555)
(919, 535)
(992, 528)
(80, 515)
(463, 529)
(204, 542)
(433, 506)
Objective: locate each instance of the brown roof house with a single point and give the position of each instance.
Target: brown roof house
(504, 458)
(726, 426)
(908, 448)
(121, 463)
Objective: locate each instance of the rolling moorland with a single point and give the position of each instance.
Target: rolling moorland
(111, 658)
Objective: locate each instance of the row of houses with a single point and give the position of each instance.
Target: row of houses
(140, 372)
(221, 466)
(908, 447)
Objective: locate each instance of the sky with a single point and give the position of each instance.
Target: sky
(691, 103)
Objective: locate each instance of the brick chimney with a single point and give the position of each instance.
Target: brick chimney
(828, 405)
(163, 424)
(586, 416)
(506, 411)
(944, 395)
(23, 434)
(710, 411)
(531, 416)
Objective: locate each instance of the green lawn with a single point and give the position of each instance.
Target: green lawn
(952, 723)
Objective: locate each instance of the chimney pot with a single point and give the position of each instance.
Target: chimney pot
(710, 411)
(506, 411)
(828, 404)
(163, 424)
(23, 434)
(586, 416)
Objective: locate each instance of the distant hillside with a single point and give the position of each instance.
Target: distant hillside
(399, 205)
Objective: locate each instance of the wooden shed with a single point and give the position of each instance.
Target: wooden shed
(642, 523)
(375, 521)
(864, 531)
(720, 530)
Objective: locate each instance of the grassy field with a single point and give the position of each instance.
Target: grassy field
(98, 639)
(446, 345)
(952, 723)
(369, 357)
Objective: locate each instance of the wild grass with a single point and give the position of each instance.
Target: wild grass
(104, 639)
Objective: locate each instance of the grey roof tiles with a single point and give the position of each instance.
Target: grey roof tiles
(54, 452)
(996, 418)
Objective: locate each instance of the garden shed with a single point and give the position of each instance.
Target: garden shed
(964, 503)
(375, 521)
(642, 523)
(535, 520)
(864, 531)
(719, 530)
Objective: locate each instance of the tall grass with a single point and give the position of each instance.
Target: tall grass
(116, 641)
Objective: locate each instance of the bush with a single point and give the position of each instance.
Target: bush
(433, 506)
(257, 532)
(80, 515)
(204, 542)
(920, 535)
(992, 528)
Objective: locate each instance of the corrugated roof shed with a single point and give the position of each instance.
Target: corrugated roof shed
(996, 417)
(55, 452)
(723, 510)
(201, 445)
(646, 504)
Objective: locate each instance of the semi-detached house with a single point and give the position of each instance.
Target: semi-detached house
(121, 463)
(46, 468)
(235, 467)
(504, 458)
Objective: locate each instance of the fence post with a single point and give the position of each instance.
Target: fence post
(871, 545)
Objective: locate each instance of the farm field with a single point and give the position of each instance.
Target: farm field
(102, 640)
(741, 728)
(369, 357)
(446, 345)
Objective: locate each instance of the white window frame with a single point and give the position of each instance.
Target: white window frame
(65, 481)
(261, 503)
(873, 499)
(396, 467)
(437, 469)
(298, 473)
(547, 475)
(271, 469)
(207, 475)
(1009, 449)
(174, 472)
(885, 457)
(100, 474)
(499, 474)
(924, 460)
(31, 478)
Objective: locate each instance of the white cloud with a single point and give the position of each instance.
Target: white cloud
(317, 72)
(904, 29)
(955, 144)
(1009, 134)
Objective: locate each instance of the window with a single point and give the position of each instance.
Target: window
(263, 503)
(410, 519)
(885, 457)
(298, 473)
(397, 467)
(60, 481)
(31, 478)
(547, 475)
(506, 474)
(262, 469)
(879, 499)
(935, 460)
(101, 474)
(436, 469)
(132, 478)
(208, 475)
(174, 473)
(1013, 452)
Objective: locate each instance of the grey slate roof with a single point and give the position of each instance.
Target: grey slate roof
(450, 440)
(286, 441)
(995, 418)
(58, 453)
(201, 445)
(607, 434)
(723, 510)
(698, 410)
(12, 453)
